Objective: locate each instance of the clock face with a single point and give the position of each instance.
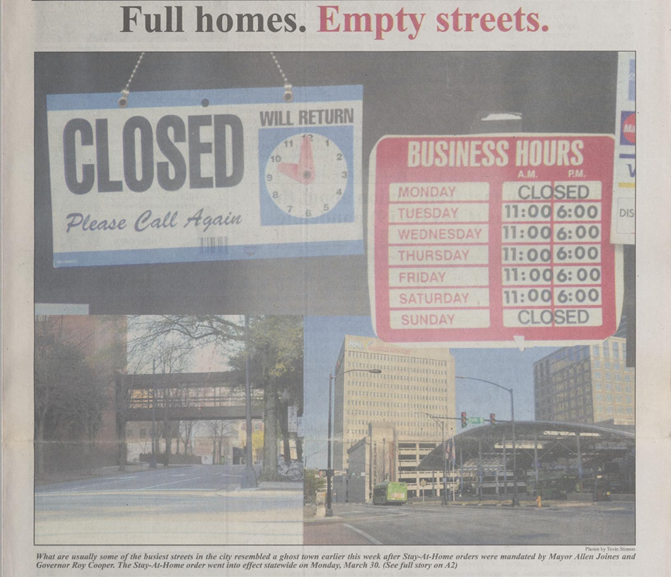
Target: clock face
(306, 175)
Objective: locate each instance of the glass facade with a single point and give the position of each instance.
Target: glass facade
(568, 384)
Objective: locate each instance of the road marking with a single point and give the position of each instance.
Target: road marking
(373, 540)
(381, 517)
(86, 486)
(171, 483)
(230, 475)
(179, 475)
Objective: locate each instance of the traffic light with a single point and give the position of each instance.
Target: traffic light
(492, 419)
(464, 420)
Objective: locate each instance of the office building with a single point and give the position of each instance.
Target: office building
(586, 384)
(413, 383)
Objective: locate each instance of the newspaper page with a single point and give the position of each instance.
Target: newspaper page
(356, 287)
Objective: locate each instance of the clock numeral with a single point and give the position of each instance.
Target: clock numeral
(326, 208)
(344, 174)
(339, 157)
(339, 192)
(269, 177)
(276, 158)
(310, 136)
(328, 142)
(288, 143)
(289, 207)
(276, 194)
(308, 212)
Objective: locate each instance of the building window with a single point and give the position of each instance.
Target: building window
(143, 433)
(596, 350)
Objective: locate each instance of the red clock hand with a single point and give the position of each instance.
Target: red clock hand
(291, 170)
(306, 165)
(304, 170)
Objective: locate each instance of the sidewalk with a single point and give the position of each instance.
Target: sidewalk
(524, 504)
(64, 476)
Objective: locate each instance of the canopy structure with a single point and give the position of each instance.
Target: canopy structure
(541, 446)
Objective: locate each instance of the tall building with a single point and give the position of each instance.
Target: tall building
(413, 383)
(586, 384)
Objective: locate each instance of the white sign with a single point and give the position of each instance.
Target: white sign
(205, 175)
(623, 222)
(292, 411)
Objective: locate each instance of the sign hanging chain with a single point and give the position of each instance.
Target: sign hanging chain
(288, 92)
(123, 101)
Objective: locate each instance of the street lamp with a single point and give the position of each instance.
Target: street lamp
(329, 470)
(512, 420)
(440, 421)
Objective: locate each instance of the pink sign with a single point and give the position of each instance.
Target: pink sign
(487, 240)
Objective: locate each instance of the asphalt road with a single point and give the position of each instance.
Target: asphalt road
(200, 504)
(599, 524)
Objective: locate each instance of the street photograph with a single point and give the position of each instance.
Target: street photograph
(168, 430)
(430, 446)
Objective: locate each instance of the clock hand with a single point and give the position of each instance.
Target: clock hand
(306, 165)
(290, 170)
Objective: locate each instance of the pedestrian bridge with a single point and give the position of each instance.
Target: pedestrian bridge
(187, 397)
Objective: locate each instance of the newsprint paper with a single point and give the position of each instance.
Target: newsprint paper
(340, 287)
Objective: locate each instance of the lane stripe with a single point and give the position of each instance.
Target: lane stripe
(373, 540)
(171, 483)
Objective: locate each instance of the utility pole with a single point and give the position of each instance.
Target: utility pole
(515, 502)
(249, 480)
(441, 420)
(329, 470)
(152, 463)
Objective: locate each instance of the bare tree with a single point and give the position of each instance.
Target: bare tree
(185, 429)
(217, 430)
(163, 352)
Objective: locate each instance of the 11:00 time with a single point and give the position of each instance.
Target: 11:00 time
(545, 274)
(578, 211)
(532, 254)
(513, 296)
